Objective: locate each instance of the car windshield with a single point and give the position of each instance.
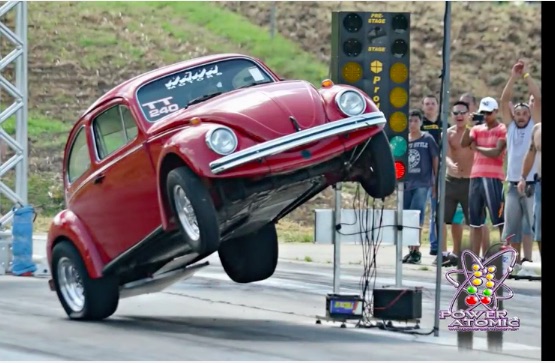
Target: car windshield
(194, 85)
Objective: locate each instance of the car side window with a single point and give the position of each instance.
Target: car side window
(128, 123)
(79, 159)
(113, 129)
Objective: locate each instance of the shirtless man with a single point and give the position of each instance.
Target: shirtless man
(484, 231)
(534, 156)
(458, 162)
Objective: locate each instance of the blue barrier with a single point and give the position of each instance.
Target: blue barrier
(22, 244)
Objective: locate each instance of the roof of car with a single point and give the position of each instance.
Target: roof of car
(128, 87)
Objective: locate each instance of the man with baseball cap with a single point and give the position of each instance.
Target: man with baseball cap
(488, 139)
(520, 120)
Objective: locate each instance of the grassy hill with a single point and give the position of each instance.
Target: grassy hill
(486, 38)
(78, 50)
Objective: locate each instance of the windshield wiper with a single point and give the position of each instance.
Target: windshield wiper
(203, 98)
(255, 83)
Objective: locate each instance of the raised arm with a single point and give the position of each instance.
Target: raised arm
(535, 91)
(505, 107)
(467, 138)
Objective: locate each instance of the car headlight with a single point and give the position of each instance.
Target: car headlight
(222, 140)
(351, 103)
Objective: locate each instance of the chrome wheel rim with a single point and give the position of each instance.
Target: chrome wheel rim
(186, 214)
(71, 284)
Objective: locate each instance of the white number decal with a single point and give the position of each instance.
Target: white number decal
(168, 107)
(164, 110)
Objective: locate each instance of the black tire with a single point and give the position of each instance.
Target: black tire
(207, 239)
(378, 175)
(251, 258)
(100, 296)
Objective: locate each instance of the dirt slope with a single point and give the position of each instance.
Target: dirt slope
(76, 53)
(487, 38)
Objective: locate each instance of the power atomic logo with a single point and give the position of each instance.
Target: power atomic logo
(482, 289)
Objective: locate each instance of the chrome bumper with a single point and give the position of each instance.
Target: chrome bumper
(297, 139)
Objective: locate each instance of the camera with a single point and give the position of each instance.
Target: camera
(478, 118)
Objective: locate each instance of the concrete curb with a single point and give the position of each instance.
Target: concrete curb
(319, 254)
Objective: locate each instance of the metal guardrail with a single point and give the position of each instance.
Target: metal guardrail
(358, 225)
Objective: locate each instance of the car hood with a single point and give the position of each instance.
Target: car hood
(265, 111)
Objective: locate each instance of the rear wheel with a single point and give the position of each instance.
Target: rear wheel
(82, 297)
(192, 206)
(378, 168)
(252, 257)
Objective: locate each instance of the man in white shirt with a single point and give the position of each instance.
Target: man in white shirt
(520, 124)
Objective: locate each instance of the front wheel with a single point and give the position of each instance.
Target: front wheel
(252, 257)
(82, 297)
(377, 166)
(192, 205)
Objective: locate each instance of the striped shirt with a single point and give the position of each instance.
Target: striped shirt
(484, 166)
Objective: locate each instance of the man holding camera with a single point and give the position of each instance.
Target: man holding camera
(488, 139)
(520, 120)
(470, 99)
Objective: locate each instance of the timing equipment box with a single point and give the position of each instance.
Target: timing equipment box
(397, 303)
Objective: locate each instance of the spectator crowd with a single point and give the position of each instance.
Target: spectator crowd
(493, 171)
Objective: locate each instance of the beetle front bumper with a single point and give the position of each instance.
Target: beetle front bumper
(297, 139)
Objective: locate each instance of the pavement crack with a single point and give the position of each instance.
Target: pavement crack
(236, 304)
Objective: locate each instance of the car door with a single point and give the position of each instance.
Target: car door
(123, 189)
(78, 169)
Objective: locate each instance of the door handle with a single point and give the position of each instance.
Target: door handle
(98, 179)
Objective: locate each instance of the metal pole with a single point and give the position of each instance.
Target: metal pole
(21, 116)
(399, 236)
(337, 240)
(273, 20)
(18, 108)
(442, 166)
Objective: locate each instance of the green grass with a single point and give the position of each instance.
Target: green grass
(277, 52)
(38, 126)
(129, 37)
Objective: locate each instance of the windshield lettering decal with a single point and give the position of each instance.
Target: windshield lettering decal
(256, 74)
(167, 107)
(189, 77)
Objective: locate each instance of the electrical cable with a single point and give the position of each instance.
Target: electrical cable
(371, 236)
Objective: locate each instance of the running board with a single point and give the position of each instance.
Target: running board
(158, 282)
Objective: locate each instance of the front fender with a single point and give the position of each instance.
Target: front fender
(67, 226)
(328, 95)
(188, 147)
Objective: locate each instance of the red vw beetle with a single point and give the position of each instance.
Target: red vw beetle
(199, 157)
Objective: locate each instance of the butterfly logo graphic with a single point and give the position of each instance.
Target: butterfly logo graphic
(482, 280)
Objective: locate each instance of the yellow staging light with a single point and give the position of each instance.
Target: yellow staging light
(376, 66)
(398, 97)
(398, 72)
(398, 122)
(352, 72)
